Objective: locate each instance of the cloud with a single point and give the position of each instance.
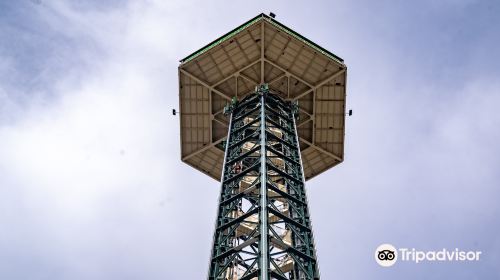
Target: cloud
(92, 187)
(89, 164)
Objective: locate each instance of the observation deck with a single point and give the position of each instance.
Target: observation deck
(262, 51)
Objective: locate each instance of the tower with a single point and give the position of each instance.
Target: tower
(262, 109)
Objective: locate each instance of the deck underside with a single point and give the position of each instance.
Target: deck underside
(262, 51)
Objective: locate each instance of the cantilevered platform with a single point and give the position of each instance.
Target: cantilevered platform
(262, 50)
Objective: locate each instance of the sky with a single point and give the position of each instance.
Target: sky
(91, 181)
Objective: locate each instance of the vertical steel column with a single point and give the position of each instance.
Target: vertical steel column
(263, 229)
(264, 268)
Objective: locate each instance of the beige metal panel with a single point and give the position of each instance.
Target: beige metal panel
(316, 162)
(208, 162)
(293, 68)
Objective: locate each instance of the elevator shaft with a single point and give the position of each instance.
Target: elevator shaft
(263, 230)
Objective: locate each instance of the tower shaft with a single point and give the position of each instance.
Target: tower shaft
(263, 230)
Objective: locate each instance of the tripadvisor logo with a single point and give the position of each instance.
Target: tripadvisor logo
(386, 255)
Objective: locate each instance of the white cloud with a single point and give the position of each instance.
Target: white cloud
(90, 169)
(91, 183)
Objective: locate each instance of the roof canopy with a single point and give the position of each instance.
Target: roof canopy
(262, 50)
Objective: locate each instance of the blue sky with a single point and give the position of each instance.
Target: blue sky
(91, 182)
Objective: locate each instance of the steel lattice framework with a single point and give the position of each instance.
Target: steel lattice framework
(263, 230)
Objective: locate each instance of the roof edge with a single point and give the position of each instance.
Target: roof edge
(252, 21)
(221, 39)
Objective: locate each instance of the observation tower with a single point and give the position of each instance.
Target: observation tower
(262, 110)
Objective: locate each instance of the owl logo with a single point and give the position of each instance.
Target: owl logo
(386, 255)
